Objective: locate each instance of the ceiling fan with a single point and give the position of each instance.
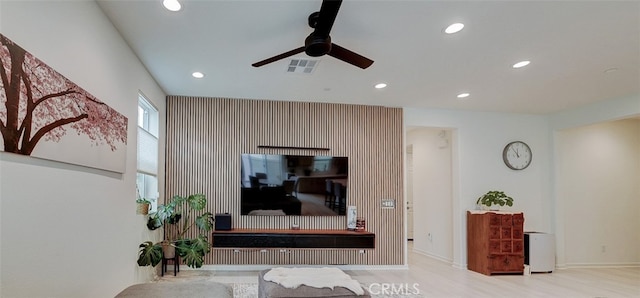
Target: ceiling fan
(318, 43)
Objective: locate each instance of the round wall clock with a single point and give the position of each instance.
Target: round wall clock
(517, 155)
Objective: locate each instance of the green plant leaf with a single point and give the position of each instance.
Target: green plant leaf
(197, 201)
(192, 251)
(149, 254)
(495, 197)
(201, 244)
(205, 221)
(163, 212)
(192, 258)
(174, 218)
(153, 223)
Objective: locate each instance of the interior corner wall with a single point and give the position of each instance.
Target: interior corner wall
(72, 231)
(598, 169)
(477, 165)
(206, 136)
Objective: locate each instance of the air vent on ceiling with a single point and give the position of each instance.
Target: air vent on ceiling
(302, 66)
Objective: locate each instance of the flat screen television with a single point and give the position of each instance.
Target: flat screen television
(293, 185)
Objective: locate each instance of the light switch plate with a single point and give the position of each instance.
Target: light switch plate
(388, 203)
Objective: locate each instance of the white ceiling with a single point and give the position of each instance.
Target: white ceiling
(570, 45)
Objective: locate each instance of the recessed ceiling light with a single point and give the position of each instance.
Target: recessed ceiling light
(610, 70)
(198, 75)
(380, 85)
(463, 95)
(172, 5)
(521, 64)
(453, 28)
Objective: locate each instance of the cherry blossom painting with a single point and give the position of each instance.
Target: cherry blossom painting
(43, 114)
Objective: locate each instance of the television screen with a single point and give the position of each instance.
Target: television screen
(293, 185)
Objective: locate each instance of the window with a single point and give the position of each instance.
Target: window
(270, 165)
(147, 175)
(321, 163)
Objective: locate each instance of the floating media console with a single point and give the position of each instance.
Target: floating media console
(274, 238)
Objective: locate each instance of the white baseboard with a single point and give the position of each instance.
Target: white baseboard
(597, 265)
(437, 257)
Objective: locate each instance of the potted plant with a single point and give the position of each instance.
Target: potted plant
(178, 217)
(494, 199)
(143, 206)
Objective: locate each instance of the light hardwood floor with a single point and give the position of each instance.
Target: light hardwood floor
(434, 278)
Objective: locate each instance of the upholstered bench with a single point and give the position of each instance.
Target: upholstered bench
(268, 289)
(178, 289)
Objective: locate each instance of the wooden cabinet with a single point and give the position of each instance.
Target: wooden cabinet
(495, 242)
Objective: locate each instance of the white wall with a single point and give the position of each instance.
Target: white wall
(598, 174)
(479, 138)
(69, 231)
(478, 167)
(615, 109)
(432, 192)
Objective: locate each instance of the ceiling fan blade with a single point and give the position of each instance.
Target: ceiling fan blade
(349, 56)
(278, 57)
(328, 13)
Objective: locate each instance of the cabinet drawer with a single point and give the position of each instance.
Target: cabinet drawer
(518, 246)
(494, 247)
(495, 219)
(505, 233)
(506, 263)
(506, 220)
(517, 233)
(518, 220)
(494, 233)
(505, 246)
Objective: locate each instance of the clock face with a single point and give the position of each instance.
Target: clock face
(517, 155)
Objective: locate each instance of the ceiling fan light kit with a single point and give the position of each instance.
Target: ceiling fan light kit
(318, 43)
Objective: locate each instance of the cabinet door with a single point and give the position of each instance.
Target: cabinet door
(506, 263)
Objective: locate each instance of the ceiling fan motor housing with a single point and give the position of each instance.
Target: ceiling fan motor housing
(316, 46)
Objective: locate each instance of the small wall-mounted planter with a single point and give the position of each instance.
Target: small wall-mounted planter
(143, 208)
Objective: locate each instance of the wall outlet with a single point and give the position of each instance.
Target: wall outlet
(604, 248)
(388, 203)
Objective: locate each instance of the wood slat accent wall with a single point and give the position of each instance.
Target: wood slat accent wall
(206, 136)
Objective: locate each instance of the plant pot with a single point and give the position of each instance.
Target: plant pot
(168, 250)
(143, 208)
(490, 208)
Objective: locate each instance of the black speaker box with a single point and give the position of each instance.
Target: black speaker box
(223, 221)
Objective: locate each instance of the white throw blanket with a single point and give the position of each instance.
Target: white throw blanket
(313, 277)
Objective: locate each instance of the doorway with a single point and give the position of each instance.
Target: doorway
(429, 179)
